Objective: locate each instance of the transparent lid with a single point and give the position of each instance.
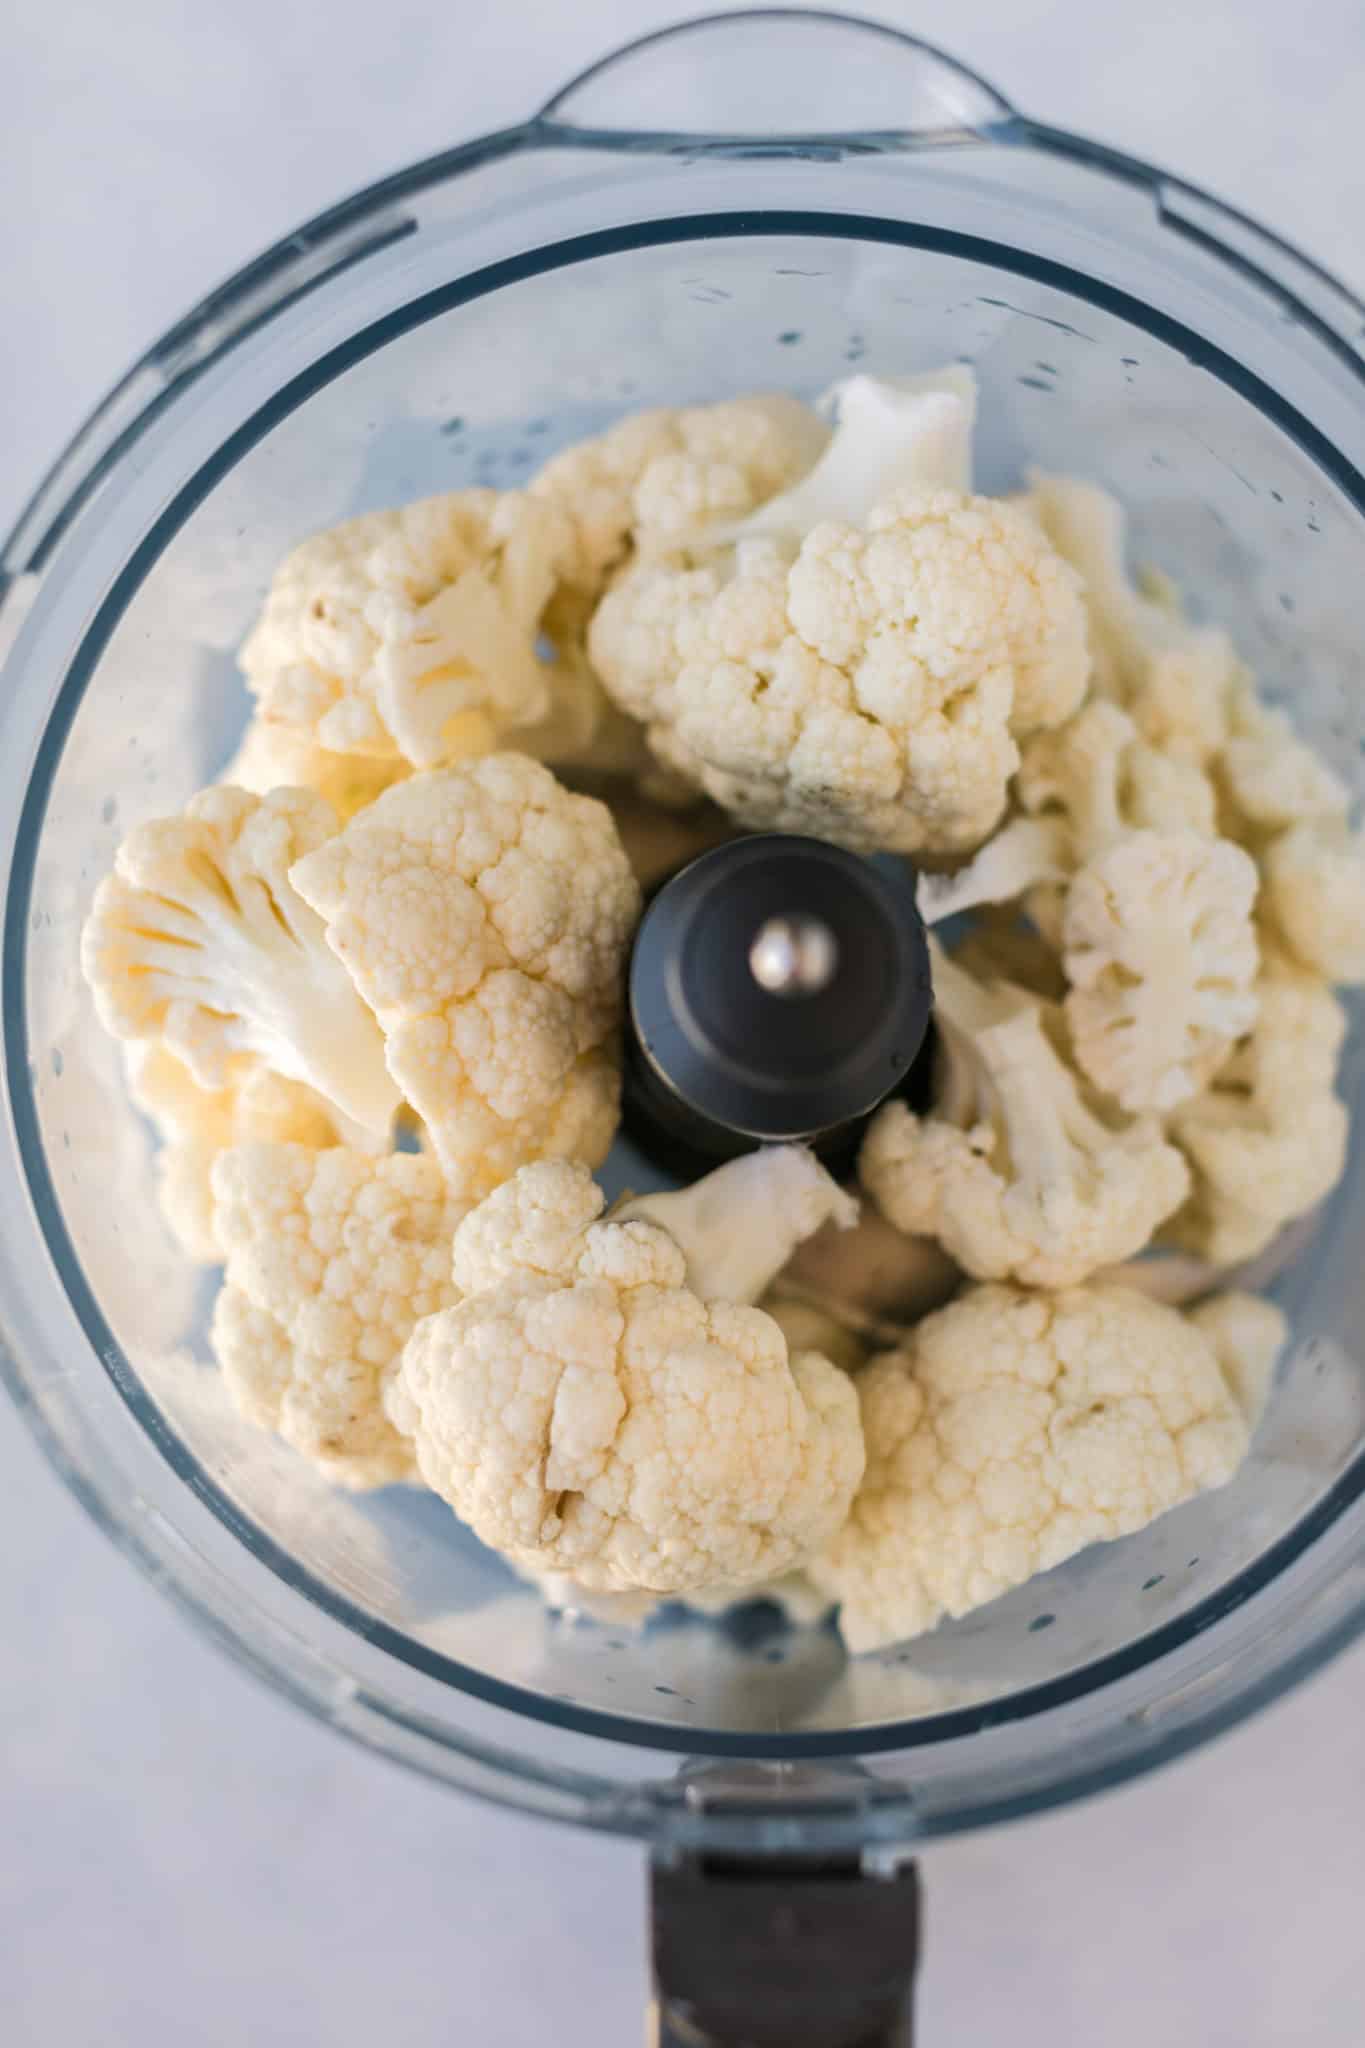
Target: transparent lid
(753, 202)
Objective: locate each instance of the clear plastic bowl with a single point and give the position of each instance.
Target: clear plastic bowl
(752, 202)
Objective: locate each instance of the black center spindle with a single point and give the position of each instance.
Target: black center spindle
(779, 989)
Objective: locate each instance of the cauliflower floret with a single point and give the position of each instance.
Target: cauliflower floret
(1313, 897)
(741, 1224)
(199, 939)
(332, 1258)
(1271, 779)
(891, 434)
(1082, 789)
(589, 1415)
(1153, 916)
(484, 913)
(950, 588)
(1177, 680)
(1101, 778)
(866, 692)
(420, 635)
(656, 478)
(1268, 1141)
(280, 757)
(1247, 1335)
(1015, 1171)
(1009, 1432)
(196, 1124)
(1160, 950)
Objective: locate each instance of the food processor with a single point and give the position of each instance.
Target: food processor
(748, 202)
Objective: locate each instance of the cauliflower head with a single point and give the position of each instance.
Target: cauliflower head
(1117, 860)
(1011, 1430)
(1313, 897)
(1267, 1141)
(655, 479)
(587, 1414)
(332, 1257)
(1247, 1335)
(427, 634)
(1160, 948)
(195, 1124)
(1100, 778)
(484, 914)
(1081, 789)
(1177, 680)
(890, 434)
(1016, 1170)
(867, 691)
(200, 940)
(1269, 778)
(283, 757)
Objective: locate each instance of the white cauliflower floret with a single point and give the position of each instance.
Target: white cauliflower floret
(196, 1124)
(1270, 778)
(421, 634)
(1152, 914)
(1268, 1141)
(1016, 1170)
(742, 1223)
(282, 757)
(938, 590)
(656, 478)
(1160, 950)
(891, 434)
(200, 939)
(868, 690)
(1100, 778)
(1313, 897)
(588, 1415)
(1009, 1432)
(1247, 1335)
(1177, 680)
(1082, 788)
(332, 1258)
(484, 913)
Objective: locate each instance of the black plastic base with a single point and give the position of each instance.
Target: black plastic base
(783, 1952)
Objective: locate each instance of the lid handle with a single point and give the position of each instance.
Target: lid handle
(775, 75)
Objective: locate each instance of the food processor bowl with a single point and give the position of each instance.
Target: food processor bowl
(743, 203)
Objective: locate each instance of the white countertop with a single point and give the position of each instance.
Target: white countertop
(185, 1861)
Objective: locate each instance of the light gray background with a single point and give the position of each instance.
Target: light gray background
(185, 1861)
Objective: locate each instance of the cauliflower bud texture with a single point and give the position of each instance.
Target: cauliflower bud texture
(417, 635)
(1118, 860)
(861, 680)
(484, 913)
(1017, 1170)
(332, 1258)
(195, 1124)
(1014, 1428)
(588, 1413)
